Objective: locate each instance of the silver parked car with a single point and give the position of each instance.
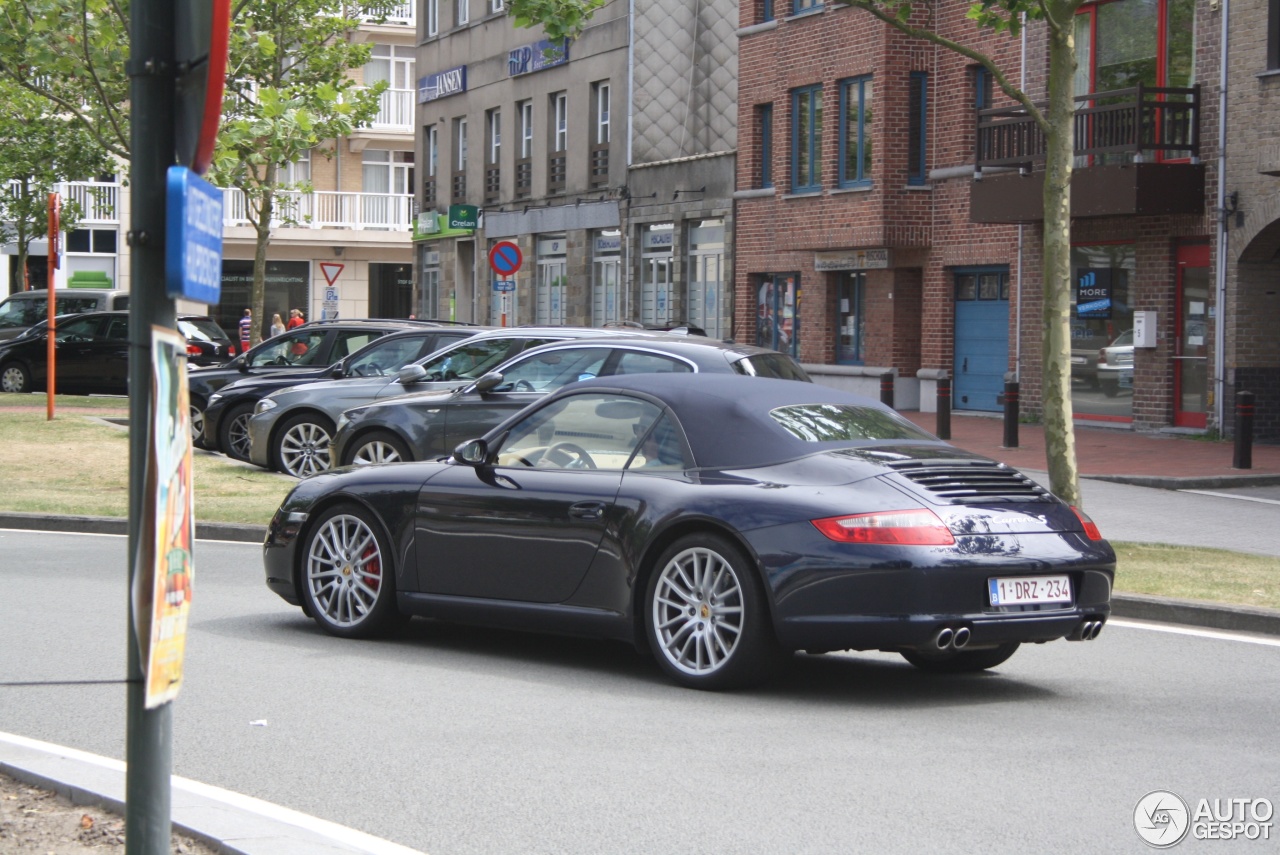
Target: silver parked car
(291, 429)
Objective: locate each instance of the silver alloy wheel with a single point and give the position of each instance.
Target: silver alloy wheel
(238, 435)
(698, 611)
(197, 422)
(344, 570)
(304, 449)
(376, 451)
(14, 379)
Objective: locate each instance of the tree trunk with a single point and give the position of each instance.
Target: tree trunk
(258, 297)
(1059, 434)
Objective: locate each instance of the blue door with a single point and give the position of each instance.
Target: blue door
(982, 340)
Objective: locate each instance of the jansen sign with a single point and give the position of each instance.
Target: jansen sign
(442, 83)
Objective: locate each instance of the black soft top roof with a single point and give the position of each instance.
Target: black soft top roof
(726, 416)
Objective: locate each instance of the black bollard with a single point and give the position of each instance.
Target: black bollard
(1011, 414)
(1243, 457)
(944, 408)
(886, 388)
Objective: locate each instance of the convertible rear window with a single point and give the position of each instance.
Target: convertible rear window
(837, 422)
(776, 365)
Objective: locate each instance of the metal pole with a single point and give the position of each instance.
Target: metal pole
(148, 747)
(1243, 457)
(1011, 414)
(944, 408)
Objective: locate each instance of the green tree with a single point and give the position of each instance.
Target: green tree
(39, 149)
(288, 86)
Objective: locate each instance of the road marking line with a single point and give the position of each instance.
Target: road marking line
(1233, 496)
(1219, 635)
(4, 531)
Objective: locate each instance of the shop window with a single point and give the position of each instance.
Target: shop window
(917, 127)
(850, 320)
(764, 131)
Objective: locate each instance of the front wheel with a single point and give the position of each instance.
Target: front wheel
(707, 621)
(380, 447)
(15, 377)
(964, 661)
(348, 578)
(302, 446)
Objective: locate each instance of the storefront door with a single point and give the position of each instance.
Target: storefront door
(1191, 350)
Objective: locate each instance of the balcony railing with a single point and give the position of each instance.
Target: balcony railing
(1137, 124)
(325, 209)
(395, 110)
(99, 201)
(401, 14)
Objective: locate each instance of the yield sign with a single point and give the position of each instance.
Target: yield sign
(331, 270)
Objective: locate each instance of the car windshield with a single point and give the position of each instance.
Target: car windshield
(201, 329)
(843, 422)
(776, 365)
(299, 349)
(384, 357)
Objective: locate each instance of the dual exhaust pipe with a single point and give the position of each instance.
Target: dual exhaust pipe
(951, 639)
(1088, 630)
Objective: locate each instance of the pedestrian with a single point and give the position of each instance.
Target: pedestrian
(295, 318)
(246, 329)
(277, 325)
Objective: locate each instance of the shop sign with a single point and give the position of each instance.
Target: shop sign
(555, 246)
(431, 225)
(442, 83)
(464, 217)
(608, 244)
(659, 239)
(854, 259)
(1093, 294)
(527, 59)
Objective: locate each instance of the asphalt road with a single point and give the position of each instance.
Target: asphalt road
(456, 740)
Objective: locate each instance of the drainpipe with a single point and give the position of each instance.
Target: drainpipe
(1017, 306)
(1220, 319)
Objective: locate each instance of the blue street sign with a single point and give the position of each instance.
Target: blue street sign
(505, 258)
(193, 237)
(504, 285)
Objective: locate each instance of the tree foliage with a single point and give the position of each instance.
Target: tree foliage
(560, 19)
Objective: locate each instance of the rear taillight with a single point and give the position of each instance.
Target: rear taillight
(1090, 527)
(918, 527)
(193, 350)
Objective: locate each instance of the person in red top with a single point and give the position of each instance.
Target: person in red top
(246, 329)
(295, 318)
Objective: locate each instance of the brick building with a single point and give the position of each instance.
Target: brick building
(889, 206)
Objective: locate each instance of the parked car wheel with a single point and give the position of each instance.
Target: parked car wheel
(302, 446)
(963, 661)
(197, 424)
(707, 621)
(379, 447)
(348, 578)
(15, 377)
(233, 433)
(1111, 390)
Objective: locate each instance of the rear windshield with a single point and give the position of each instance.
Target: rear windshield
(202, 329)
(844, 422)
(776, 365)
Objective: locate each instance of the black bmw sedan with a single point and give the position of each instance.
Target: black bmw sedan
(721, 522)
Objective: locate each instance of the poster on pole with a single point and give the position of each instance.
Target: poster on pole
(169, 501)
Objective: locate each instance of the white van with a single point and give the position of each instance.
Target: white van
(27, 308)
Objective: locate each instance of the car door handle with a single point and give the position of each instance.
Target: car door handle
(587, 510)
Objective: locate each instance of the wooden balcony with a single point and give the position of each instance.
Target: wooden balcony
(1137, 154)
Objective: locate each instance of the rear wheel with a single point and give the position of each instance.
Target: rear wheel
(964, 661)
(233, 433)
(196, 411)
(15, 377)
(707, 621)
(348, 578)
(302, 445)
(378, 447)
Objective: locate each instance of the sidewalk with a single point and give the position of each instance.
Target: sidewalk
(1167, 460)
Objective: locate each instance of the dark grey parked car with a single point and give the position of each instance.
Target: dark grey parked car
(429, 425)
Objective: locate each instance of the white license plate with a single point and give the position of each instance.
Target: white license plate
(1020, 590)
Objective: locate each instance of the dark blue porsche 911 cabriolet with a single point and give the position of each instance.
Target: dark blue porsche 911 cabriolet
(722, 522)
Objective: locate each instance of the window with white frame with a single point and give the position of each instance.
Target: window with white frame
(602, 112)
(559, 121)
(493, 130)
(526, 129)
(433, 17)
(298, 172)
(463, 12)
(431, 148)
(390, 63)
(460, 144)
(496, 6)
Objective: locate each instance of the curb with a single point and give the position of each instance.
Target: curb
(115, 525)
(1211, 482)
(1193, 613)
(1138, 606)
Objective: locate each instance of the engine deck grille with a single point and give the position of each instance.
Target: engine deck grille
(960, 481)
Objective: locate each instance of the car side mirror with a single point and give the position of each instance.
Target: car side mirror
(473, 452)
(339, 371)
(243, 366)
(411, 374)
(488, 382)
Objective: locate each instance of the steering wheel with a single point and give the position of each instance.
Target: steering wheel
(568, 455)
(524, 386)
